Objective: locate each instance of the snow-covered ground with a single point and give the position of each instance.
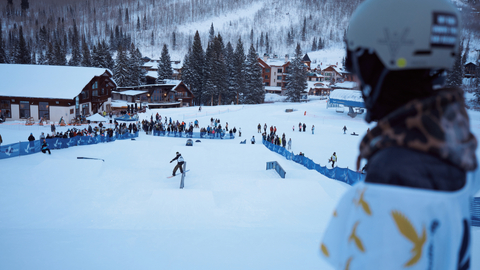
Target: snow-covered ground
(58, 212)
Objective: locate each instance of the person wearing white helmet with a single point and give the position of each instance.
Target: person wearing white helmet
(413, 208)
(179, 165)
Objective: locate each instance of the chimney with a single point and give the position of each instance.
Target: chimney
(286, 58)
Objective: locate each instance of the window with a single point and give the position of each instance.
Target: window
(279, 70)
(279, 78)
(84, 94)
(267, 84)
(267, 70)
(279, 84)
(95, 85)
(266, 77)
(85, 109)
(157, 95)
(24, 109)
(103, 91)
(5, 108)
(286, 69)
(94, 93)
(43, 110)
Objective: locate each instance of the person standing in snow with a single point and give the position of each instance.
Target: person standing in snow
(313, 129)
(304, 127)
(259, 128)
(299, 127)
(289, 144)
(253, 140)
(416, 193)
(333, 159)
(344, 129)
(1, 139)
(179, 165)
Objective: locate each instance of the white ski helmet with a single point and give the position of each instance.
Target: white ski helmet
(406, 34)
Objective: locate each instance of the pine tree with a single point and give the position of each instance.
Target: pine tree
(86, 56)
(3, 53)
(211, 34)
(121, 71)
(254, 90)
(59, 55)
(76, 54)
(174, 41)
(220, 70)
(239, 60)
(187, 73)
(251, 36)
(267, 44)
(209, 76)
(22, 54)
(314, 44)
(165, 71)
(230, 94)
(197, 62)
(262, 41)
(24, 5)
(455, 75)
(95, 56)
(296, 77)
(50, 55)
(304, 29)
(137, 73)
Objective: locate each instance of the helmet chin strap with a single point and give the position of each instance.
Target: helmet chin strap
(370, 95)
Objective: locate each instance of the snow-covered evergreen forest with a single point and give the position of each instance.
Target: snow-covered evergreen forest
(104, 33)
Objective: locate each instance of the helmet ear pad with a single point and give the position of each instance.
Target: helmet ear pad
(384, 90)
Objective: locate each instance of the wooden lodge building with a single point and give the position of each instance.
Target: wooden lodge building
(171, 94)
(53, 92)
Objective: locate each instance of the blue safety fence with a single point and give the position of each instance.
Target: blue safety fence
(348, 176)
(199, 135)
(28, 148)
(345, 175)
(274, 165)
(475, 210)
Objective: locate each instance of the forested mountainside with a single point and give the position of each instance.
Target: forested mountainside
(273, 26)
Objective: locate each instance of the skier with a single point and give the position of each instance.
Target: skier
(45, 147)
(179, 165)
(253, 140)
(416, 194)
(289, 144)
(259, 128)
(344, 129)
(313, 129)
(333, 159)
(304, 127)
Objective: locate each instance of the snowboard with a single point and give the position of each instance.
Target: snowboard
(177, 174)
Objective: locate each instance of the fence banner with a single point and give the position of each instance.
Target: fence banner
(27, 148)
(345, 175)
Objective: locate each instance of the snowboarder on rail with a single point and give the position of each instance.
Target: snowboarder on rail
(179, 165)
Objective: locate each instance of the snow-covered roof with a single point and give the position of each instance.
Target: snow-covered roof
(347, 85)
(350, 95)
(130, 92)
(153, 74)
(273, 88)
(277, 62)
(41, 81)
